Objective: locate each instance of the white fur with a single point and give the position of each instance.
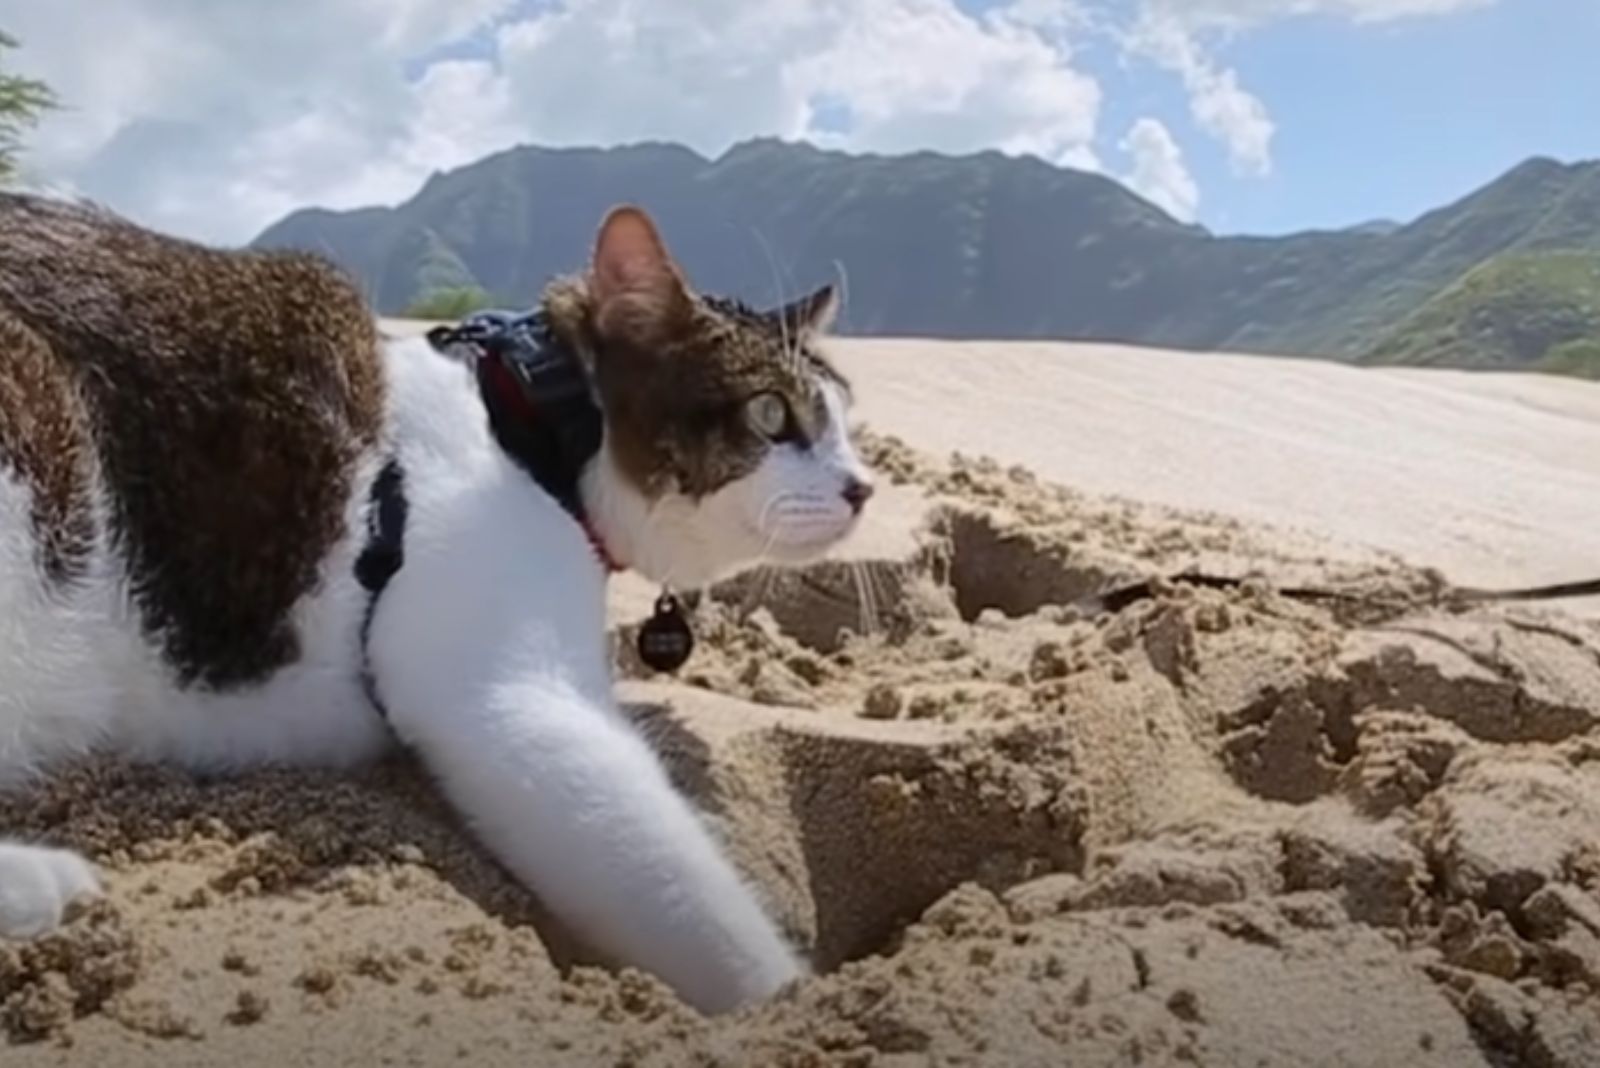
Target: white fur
(490, 655)
(36, 886)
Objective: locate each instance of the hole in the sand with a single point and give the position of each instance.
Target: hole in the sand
(971, 563)
(1291, 745)
(884, 830)
(1009, 570)
(819, 606)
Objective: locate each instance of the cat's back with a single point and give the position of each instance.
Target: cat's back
(114, 296)
(229, 399)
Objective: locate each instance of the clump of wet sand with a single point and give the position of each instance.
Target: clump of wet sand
(1215, 827)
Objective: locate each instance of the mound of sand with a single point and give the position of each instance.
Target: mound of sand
(1216, 827)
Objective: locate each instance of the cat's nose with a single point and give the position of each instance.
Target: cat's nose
(857, 492)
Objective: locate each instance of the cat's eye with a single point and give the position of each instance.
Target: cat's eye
(769, 416)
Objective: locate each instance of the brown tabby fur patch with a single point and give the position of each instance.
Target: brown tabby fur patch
(226, 396)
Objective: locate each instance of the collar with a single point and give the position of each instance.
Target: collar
(541, 403)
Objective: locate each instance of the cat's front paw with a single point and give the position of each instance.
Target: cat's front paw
(36, 886)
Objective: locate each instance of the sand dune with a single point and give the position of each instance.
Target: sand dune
(1215, 827)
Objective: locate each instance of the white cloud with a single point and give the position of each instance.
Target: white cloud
(1219, 105)
(909, 74)
(212, 119)
(920, 74)
(1159, 173)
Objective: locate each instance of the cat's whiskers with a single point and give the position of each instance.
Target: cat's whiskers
(764, 574)
(881, 595)
(843, 282)
(763, 522)
(756, 593)
(867, 598)
(790, 353)
(863, 623)
(868, 619)
(652, 514)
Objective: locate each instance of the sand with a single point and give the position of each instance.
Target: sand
(1217, 827)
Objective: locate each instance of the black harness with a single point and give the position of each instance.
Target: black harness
(382, 556)
(541, 403)
(541, 410)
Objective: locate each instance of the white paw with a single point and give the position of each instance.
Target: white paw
(36, 886)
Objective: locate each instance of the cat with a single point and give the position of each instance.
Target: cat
(192, 446)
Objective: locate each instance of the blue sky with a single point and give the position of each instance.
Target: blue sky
(1382, 120)
(1249, 116)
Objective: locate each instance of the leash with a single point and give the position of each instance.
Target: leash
(1121, 597)
(1589, 588)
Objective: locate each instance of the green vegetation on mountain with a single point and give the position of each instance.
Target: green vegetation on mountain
(1516, 310)
(1580, 358)
(449, 302)
(22, 102)
(971, 246)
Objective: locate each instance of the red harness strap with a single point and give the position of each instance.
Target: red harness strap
(600, 549)
(511, 395)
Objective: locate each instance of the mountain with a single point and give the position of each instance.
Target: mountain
(1376, 226)
(1517, 309)
(972, 246)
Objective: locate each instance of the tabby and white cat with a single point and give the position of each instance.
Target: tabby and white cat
(189, 439)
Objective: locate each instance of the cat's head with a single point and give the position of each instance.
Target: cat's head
(726, 441)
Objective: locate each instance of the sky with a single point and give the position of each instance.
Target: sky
(213, 118)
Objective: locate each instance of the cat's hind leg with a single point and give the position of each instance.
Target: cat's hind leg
(53, 703)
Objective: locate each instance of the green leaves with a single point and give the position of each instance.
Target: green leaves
(22, 101)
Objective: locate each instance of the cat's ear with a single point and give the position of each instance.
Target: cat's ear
(812, 314)
(635, 284)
